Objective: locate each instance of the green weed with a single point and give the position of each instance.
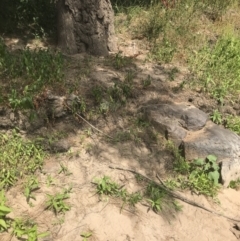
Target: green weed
(122, 136)
(64, 170)
(56, 202)
(179, 164)
(163, 51)
(40, 66)
(5, 223)
(20, 228)
(33, 68)
(216, 117)
(19, 158)
(50, 180)
(233, 123)
(172, 73)
(31, 185)
(139, 178)
(159, 199)
(134, 198)
(98, 94)
(204, 175)
(121, 61)
(235, 184)
(147, 82)
(142, 122)
(217, 67)
(86, 235)
(200, 175)
(121, 91)
(112, 98)
(107, 187)
(26, 230)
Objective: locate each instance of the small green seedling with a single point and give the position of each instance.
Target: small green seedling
(56, 202)
(4, 211)
(156, 197)
(134, 198)
(31, 185)
(216, 117)
(235, 184)
(27, 230)
(107, 187)
(155, 204)
(139, 178)
(147, 82)
(86, 235)
(64, 170)
(121, 61)
(233, 123)
(50, 180)
(160, 200)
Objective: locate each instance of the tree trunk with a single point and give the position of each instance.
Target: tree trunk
(86, 26)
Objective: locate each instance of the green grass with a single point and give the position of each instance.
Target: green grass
(56, 202)
(19, 158)
(35, 69)
(176, 35)
(231, 122)
(235, 184)
(157, 198)
(217, 67)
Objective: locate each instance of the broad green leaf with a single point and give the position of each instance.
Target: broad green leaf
(55, 206)
(199, 162)
(27, 192)
(214, 176)
(4, 210)
(215, 166)
(3, 224)
(86, 235)
(207, 166)
(212, 158)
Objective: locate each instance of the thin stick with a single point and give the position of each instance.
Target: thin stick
(95, 128)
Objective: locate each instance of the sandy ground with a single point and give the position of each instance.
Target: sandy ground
(105, 219)
(90, 158)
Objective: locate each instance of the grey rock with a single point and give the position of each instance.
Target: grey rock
(223, 143)
(230, 170)
(212, 139)
(56, 106)
(190, 117)
(189, 128)
(174, 120)
(60, 146)
(6, 123)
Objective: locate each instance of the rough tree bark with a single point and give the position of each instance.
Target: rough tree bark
(86, 26)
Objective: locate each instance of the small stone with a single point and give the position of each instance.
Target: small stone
(60, 146)
(12, 116)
